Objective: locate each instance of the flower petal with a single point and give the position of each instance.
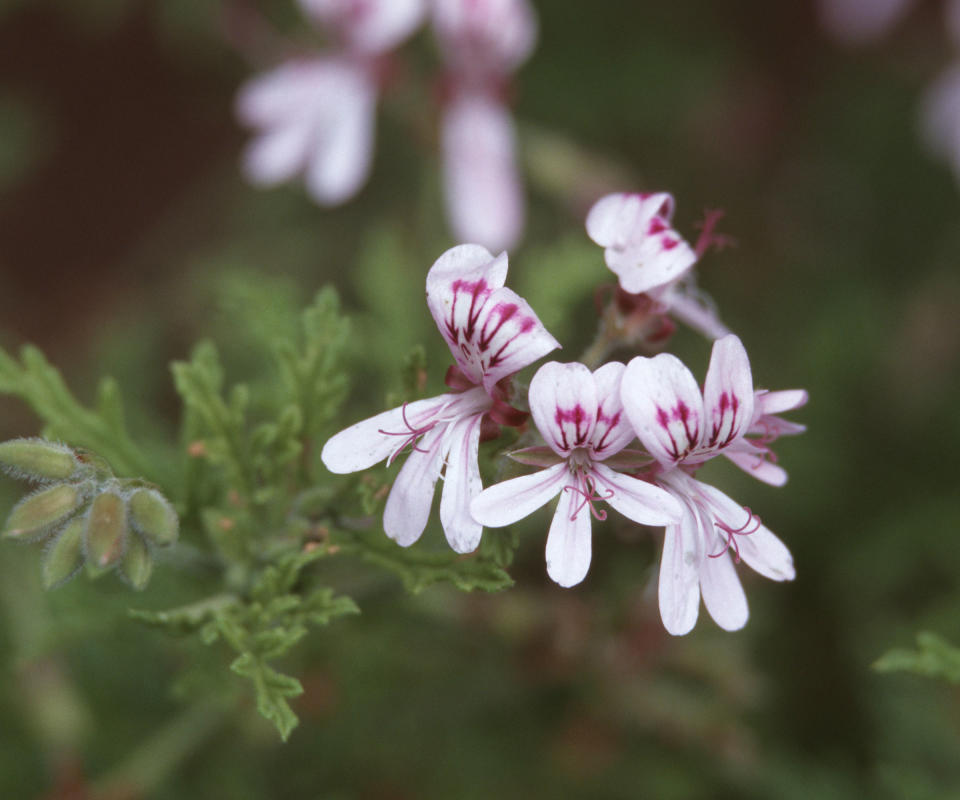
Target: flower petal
(408, 505)
(461, 484)
(563, 402)
(568, 542)
(638, 500)
(484, 194)
(365, 443)
(281, 94)
(766, 402)
(613, 430)
(344, 130)
(727, 394)
(754, 462)
(505, 503)
(723, 593)
(940, 116)
(614, 219)
(679, 586)
(663, 403)
(277, 155)
(484, 36)
(761, 550)
(695, 311)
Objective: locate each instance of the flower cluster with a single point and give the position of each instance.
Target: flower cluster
(316, 115)
(628, 436)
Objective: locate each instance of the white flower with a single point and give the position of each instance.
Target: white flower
(581, 418)
(683, 428)
(492, 332)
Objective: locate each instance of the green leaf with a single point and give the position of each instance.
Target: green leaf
(934, 658)
(102, 429)
(186, 619)
(272, 690)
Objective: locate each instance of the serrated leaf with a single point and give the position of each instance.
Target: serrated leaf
(934, 658)
(272, 689)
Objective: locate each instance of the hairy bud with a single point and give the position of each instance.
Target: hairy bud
(40, 511)
(136, 565)
(64, 556)
(106, 530)
(38, 460)
(153, 516)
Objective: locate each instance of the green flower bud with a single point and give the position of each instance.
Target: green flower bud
(137, 564)
(37, 459)
(38, 512)
(153, 516)
(106, 530)
(64, 556)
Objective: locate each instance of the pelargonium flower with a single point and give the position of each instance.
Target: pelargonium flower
(492, 332)
(683, 428)
(651, 259)
(316, 116)
(580, 416)
(483, 42)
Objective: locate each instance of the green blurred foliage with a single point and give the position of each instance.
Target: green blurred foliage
(844, 282)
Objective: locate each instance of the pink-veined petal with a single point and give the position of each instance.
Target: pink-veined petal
(753, 461)
(723, 593)
(654, 260)
(615, 219)
(485, 36)
(636, 499)
(679, 585)
(563, 402)
(484, 194)
(491, 331)
(612, 431)
(569, 541)
(408, 505)
(858, 21)
(762, 551)
(366, 443)
(461, 484)
(664, 405)
(505, 503)
(343, 146)
(727, 394)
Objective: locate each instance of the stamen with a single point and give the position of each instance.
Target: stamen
(590, 497)
(732, 533)
(708, 239)
(410, 435)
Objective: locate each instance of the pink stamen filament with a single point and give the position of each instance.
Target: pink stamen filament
(590, 497)
(732, 533)
(410, 435)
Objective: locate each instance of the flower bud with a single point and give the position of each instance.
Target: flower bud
(41, 510)
(106, 529)
(136, 565)
(153, 516)
(37, 459)
(64, 556)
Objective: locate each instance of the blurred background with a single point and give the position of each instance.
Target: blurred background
(126, 227)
